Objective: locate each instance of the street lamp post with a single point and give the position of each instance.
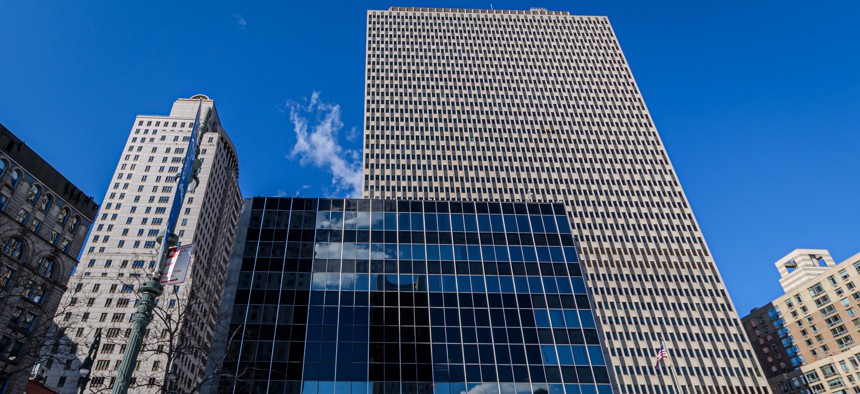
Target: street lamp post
(87, 366)
(187, 180)
(85, 374)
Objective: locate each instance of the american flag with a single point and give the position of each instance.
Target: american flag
(661, 354)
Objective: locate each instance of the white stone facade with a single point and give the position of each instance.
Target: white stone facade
(121, 250)
(802, 265)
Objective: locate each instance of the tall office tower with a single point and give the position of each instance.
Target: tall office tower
(805, 338)
(542, 106)
(121, 252)
(385, 296)
(44, 220)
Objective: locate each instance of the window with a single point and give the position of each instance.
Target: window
(830, 321)
(108, 348)
(23, 215)
(34, 292)
(828, 310)
(34, 193)
(838, 330)
(45, 267)
(22, 319)
(73, 224)
(816, 290)
(64, 215)
(14, 248)
(64, 246)
(15, 177)
(835, 383)
(45, 202)
(6, 276)
(35, 225)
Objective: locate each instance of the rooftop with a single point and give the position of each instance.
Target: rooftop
(533, 11)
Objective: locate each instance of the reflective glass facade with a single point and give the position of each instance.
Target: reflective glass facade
(383, 296)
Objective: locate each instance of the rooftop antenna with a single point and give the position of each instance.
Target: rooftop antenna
(491, 6)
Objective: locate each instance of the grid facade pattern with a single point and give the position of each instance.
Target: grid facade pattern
(121, 252)
(542, 106)
(385, 296)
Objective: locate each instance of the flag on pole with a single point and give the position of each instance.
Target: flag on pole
(661, 354)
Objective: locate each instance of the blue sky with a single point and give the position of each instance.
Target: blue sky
(756, 103)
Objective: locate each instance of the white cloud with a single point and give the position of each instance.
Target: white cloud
(240, 20)
(505, 388)
(303, 188)
(283, 193)
(317, 125)
(331, 281)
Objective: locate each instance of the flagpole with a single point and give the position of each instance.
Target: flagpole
(674, 381)
(671, 371)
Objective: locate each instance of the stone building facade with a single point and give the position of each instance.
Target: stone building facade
(44, 220)
(121, 252)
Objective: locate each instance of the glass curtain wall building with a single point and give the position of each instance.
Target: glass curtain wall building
(385, 296)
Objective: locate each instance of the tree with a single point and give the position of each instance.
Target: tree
(182, 321)
(32, 310)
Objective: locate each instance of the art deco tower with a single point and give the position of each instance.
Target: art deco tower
(541, 105)
(122, 248)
